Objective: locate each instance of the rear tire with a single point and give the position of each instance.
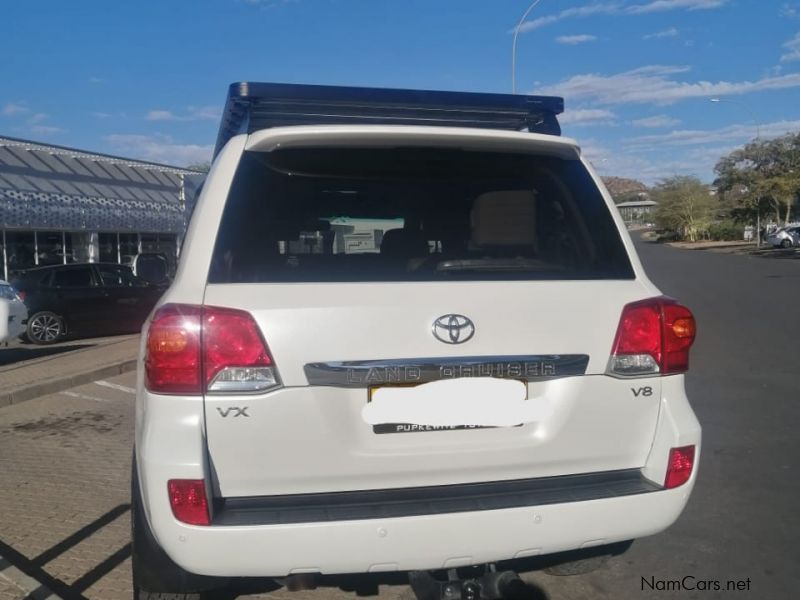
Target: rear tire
(45, 327)
(155, 575)
(786, 244)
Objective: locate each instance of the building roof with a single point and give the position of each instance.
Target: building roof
(637, 204)
(44, 186)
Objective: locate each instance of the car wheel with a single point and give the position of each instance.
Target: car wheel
(45, 327)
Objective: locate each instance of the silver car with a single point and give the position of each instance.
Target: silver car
(785, 237)
(13, 313)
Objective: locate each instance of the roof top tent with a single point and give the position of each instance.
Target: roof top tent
(254, 106)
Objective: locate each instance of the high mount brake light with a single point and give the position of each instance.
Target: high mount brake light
(653, 337)
(193, 349)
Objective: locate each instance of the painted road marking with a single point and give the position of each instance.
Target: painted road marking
(86, 397)
(116, 386)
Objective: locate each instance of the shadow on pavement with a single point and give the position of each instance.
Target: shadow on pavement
(34, 568)
(15, 354)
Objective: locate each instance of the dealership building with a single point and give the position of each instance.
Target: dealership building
(60, 205)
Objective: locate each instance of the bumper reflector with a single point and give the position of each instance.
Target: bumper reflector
(187, 497)
(679, 468)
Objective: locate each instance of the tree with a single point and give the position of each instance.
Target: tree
(685, 205)
(203, 167)
(763, 175)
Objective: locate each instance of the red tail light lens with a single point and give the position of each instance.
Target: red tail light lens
(172, 364)
(192, 349)
(679, 468)
(654, 336)
(187, 497)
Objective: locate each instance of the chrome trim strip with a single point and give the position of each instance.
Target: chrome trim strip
(365, 373)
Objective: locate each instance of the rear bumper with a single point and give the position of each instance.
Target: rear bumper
(422, 542)
(263, 545)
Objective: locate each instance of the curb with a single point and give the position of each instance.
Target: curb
(58, 385)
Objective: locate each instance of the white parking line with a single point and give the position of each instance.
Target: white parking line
(85, 396)
(116, 386)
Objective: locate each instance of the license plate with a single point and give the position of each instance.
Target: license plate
(398, 426)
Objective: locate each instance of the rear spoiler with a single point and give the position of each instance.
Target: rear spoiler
(254, 106)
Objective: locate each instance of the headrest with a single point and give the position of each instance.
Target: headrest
(504, 218)
(404, 243)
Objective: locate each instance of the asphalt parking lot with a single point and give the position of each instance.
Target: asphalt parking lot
(65, 462)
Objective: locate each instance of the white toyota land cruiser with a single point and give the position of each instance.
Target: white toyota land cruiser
(408, 333)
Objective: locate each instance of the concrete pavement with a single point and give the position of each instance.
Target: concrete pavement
(28, 371)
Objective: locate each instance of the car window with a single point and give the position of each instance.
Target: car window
(414, 214)
(76, 277)
(117, 276)
(7, 292)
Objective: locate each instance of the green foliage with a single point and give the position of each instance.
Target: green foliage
(727, 230)
(685, 206)
(763, 176)
(203, 167)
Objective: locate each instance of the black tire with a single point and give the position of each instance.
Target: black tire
(155, 575)
(45, 327)
(786, 243)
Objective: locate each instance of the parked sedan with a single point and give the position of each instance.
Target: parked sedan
(84, 299)
(12, 313)
(785, 237)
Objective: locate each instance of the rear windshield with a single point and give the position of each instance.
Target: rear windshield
(413, 214)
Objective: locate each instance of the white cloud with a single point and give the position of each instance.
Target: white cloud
(793, 49)
(15, 108)
(94, 79)
(614, 8)
(587, 116)
(45, 129)
(665, 33)
(37, 118)
(101, 115)
(790, 11)
(665, 5)
(656, 121)
(579, 11)
(194, 113)
(572, 40)
(160, 148)
(655, 84)
(741, 132)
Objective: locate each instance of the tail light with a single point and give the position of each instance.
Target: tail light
(679, 468)
(654, 336)
(193, 349)
(21, 295)
(187, 497)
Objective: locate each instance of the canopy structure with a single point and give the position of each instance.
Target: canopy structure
(52, 187)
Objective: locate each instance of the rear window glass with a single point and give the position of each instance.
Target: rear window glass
(413, 214)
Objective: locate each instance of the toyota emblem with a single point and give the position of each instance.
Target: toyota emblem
(453, 329)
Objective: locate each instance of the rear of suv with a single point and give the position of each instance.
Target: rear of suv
(404, 336)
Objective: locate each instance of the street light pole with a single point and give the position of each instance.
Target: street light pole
(758, 139)
(514, 46)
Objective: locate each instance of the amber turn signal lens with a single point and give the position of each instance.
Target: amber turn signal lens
(684, 328)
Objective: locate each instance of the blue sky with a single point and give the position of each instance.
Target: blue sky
(147, 79)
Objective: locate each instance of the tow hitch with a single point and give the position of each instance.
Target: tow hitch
(491, 585)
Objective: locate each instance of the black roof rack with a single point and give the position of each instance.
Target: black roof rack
(253, 106)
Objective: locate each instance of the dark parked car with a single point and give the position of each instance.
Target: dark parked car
(97, 298)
